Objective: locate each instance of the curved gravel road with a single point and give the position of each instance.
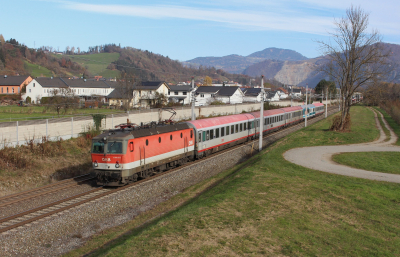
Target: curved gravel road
(320, 157)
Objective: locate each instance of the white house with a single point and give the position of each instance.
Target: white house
(272, 96)
(180, 93)
(251, 95)
(47, 87)
(296, 92)
(208, 94)
(144, 94)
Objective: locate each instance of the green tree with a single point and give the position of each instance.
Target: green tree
(323, 85)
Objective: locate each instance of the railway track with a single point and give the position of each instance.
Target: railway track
(41, 191)
(26, 217)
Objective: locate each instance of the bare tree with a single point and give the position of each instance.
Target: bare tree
(356, 59)
(128, 87)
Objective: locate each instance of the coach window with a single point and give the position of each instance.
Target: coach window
(211, 134)
(222, 131)
(217, 133)
(237, 128)
(208, 135)
(204, 136)
(241, 127)
(232, 129)
(245, 126)
(227, 130)
(199, 136)
(265, 121)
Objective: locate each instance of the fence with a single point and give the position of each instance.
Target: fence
(20, 132)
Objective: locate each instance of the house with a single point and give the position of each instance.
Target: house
(85, 89)
(252, 95)
(143, 94)
(296, 92)
(11, 85)
(180, 94)
(272, 96)
(283, 93)
(208, 94)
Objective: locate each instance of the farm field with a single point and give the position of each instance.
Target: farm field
(268, 206)
(95, 63)
(37, 71)
(17, 113)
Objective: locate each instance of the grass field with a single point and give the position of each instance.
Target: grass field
(96, 63)
(37, 71)
(14, 113)
(387, 162)
(268, 206)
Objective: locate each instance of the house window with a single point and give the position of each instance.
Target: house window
(33, 84)
(184, 93)
(1, 90)
(13, 90)
(29, 90)
(175, 93)
(19, 90)
(201, 95)
(169, 92)
(7, 90)
(44, 90)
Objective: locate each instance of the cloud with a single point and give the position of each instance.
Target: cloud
(248, 20)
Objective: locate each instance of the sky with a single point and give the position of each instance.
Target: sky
(183, 30)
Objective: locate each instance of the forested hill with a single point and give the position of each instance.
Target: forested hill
(105, 60)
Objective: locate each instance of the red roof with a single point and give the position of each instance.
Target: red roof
(211, 122)
(292, 109)
(269, 113)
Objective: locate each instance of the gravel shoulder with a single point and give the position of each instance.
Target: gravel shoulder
(320, 157)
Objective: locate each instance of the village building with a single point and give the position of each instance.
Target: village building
(12, 85)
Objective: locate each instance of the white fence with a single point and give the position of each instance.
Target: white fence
(20, 132)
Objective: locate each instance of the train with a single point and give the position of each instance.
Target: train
(130, 152)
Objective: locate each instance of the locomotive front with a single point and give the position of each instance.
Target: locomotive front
(108, 158)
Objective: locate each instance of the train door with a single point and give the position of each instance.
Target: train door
(185, 145)
(142, 155)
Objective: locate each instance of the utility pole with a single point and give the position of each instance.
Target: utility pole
(291, 96)
(326, 103)
(306, 111)
(340, 96)
(261, 115)
(193, 96)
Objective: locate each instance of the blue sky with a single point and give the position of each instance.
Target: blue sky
(184, 30)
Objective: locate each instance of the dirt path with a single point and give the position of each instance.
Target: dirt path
(320, 157)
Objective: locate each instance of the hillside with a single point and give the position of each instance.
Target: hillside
(104, 60)
(237, 64)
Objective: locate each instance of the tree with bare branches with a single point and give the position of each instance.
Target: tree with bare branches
(128, 86)
(356, 59)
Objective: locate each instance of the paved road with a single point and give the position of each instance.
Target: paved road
(320, 157)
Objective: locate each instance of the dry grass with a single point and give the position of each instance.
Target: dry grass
(41, 162)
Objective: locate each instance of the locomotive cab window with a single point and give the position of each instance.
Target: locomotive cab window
(114, 147)
(98, 147)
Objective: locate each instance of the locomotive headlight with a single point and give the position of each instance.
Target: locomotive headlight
(117, 165)
(105, 139)
(95, 164)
